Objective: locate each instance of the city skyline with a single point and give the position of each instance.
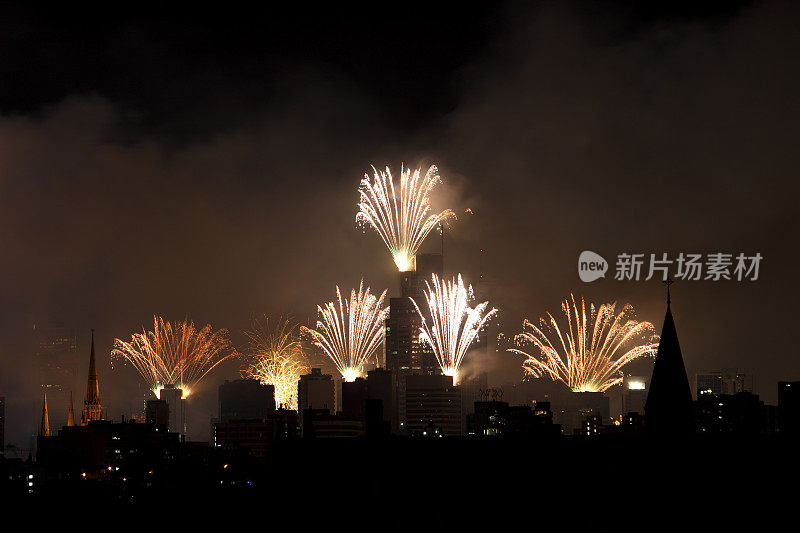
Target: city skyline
(91, 247)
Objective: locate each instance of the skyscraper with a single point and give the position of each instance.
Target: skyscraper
(242, 399)
(92, 409)
(315, 391)
(669, 409)
(55, 351)
(177, 408)
(405, 355)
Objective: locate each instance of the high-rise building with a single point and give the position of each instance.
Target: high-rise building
(789, 407)
(315, 391)
(634, 394)
(157, 412)
(92, 409)
(177, 408)
(724, 381)
(742, 413)
(404, 354)
(432, 401)
(244, 399)
(56, 350)
(354, 397)
(381, 386)
(669, 409)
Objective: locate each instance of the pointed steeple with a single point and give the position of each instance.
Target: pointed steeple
(91, 404)
(71, 414)
(44, 429)
(669, 409)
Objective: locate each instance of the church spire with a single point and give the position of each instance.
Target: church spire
(669, 409)
(44, 429)
(71, 414)
(91, 404)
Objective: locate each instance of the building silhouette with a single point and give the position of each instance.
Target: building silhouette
(723, 381)
(245, 399)
(405, 355)
(789, 408)
(176, 405)
(44, 427)
(433, 402)
(669, 408)
(742, 413)
(156, 412)
(92, 408)
(315, 391)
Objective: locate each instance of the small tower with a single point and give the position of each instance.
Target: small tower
(668, 410)
(44, 428)
(71, 414)
(91, 404)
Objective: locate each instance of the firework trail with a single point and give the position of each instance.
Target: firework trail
(589, 354)
(175, 353)
(402, 221)
(454, 325)
(350, 332)
(277, 358)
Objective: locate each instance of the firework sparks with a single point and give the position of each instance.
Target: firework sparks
(175, 353)
(402, 222)
(350, 332)
(589, 354)
(454, 325)
(277, 358)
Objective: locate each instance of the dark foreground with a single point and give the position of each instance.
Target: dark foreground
(614, 483)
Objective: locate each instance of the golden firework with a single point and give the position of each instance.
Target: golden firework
(402, 220)
(453, 325)
(175, 353)
(588, 355)
(276, 358)
(351, 331)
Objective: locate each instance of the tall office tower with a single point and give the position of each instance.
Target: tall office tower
(433, 405)
(315, 391)
(669, 409)
(354, 397)
(56, 352)
(245, 399)
(177, 408)
(381, 386)
(157, 412)
(92, 409)
(723, 381)
(634, 394)
(2, 425)
(789, 407)
(404, 354)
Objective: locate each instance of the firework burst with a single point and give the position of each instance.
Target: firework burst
(350, 331)
(454, 325)
(403, 221)
(175, 353)
(588, 355)
(277, 358)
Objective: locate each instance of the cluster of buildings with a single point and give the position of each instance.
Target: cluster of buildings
(407, 397)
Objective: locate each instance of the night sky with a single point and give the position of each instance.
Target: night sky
(176, 162)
